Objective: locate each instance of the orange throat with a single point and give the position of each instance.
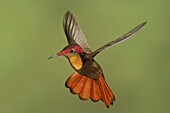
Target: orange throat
(75, 61)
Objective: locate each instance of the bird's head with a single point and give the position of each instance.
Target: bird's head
(73, 49)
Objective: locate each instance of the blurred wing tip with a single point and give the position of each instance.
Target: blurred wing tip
(141, 25)
(145, 22)
(67, 15)
(68, 12)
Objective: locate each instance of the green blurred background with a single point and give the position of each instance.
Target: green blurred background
(137, 70)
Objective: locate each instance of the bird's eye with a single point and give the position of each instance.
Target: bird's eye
(72, 51)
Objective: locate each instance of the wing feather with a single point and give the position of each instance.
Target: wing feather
(119, 39)
(73, 32)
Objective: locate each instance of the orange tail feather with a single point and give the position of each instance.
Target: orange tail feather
(95, 92)
(73, 80)
(86, 90)
(107, 95)
(89, 88)
(77, 89)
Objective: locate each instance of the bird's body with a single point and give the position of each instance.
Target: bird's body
(85, 65)
(88, 80)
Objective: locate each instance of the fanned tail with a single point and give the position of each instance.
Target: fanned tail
(90, 88)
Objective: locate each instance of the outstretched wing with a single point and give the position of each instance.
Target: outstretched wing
(73, 32)
(121, 38)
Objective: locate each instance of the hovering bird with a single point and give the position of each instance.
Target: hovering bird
(88, 81)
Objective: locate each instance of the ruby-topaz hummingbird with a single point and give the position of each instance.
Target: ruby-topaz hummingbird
(88, 81)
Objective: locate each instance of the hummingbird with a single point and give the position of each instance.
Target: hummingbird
(88, 80)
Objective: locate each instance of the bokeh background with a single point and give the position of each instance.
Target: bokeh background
(137, 70)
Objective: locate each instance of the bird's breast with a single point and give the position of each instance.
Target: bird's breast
(76, 61)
